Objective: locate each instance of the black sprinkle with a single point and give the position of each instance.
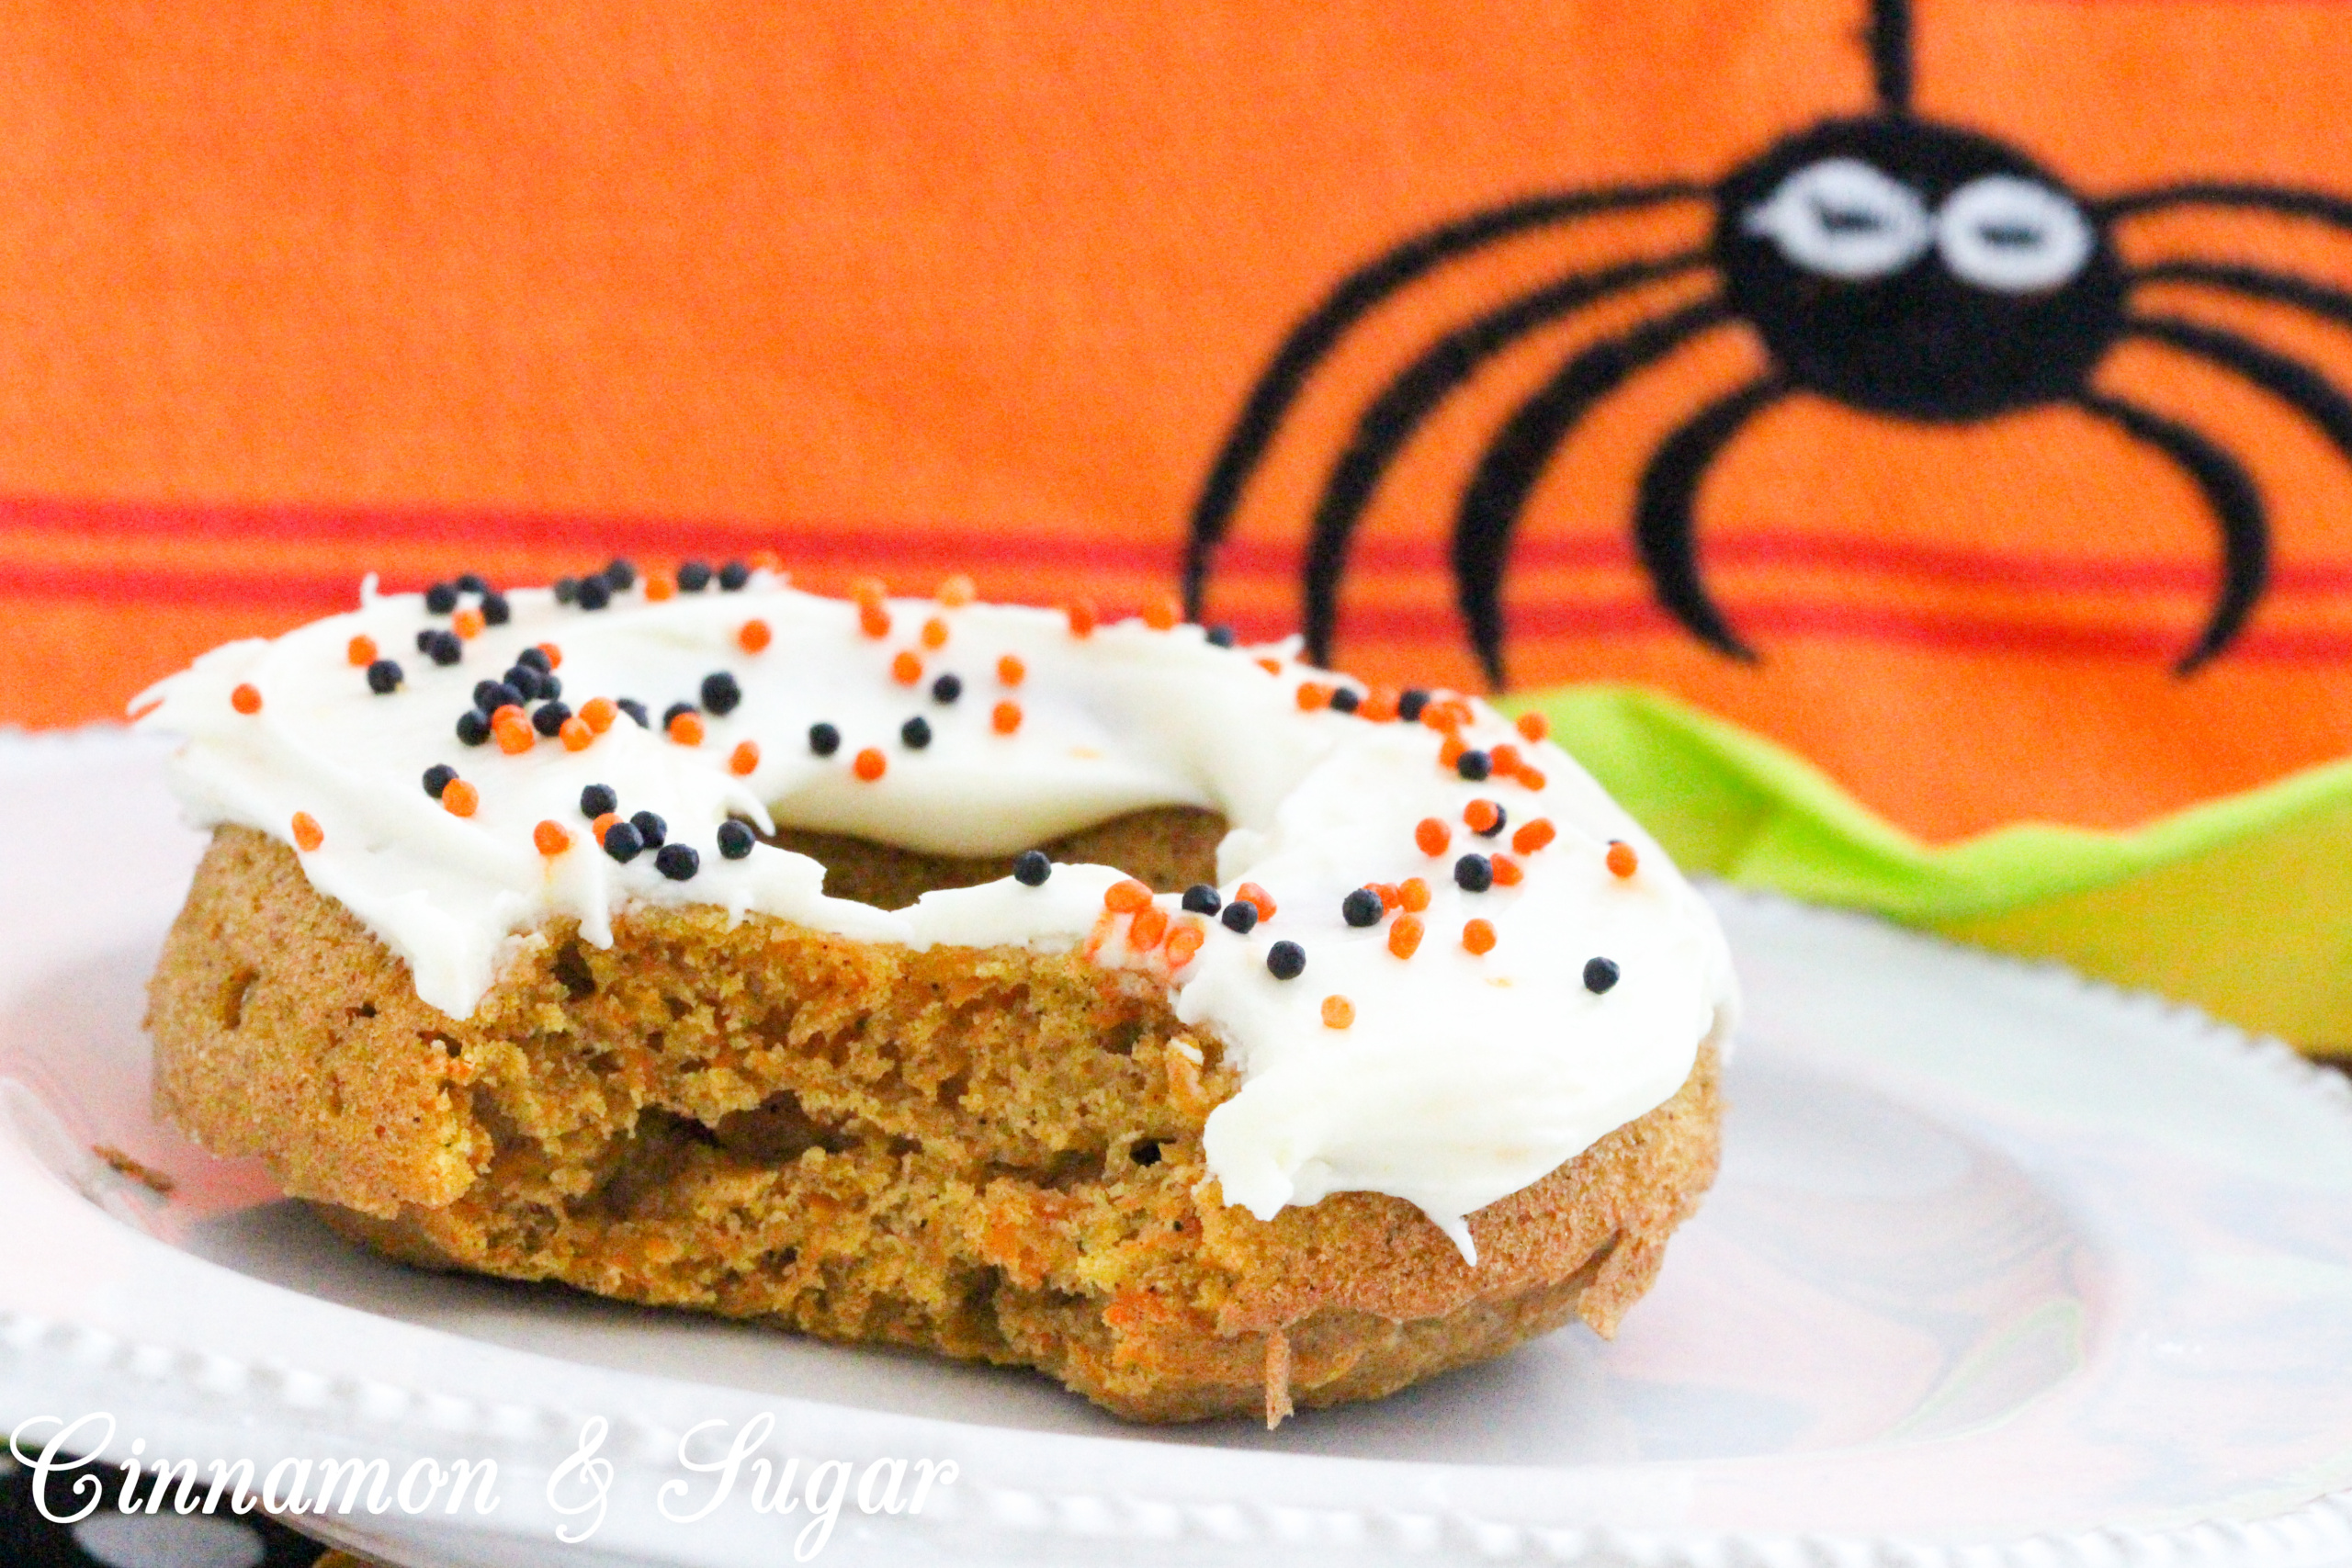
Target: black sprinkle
(1221, 636)
(1495, 828)
(383, 677)
(623, 842)
(825, 739)
(495, 610)
(1201, 899)
(916, 732)
(1410, 703)
(598, 799)
(549, 718)
(1599, 974)
(1285, 960)
(947, 688)
(1346, 700)
(650, 828)
(1360, 908)
(1240, 916)
(669, 714)
(735, 839)
(473, 727)
(1473, 765)
(567, 589)
(594, 593)
(446, 649)
(424, 641)
(620, 575)
(635, 709)
(721, 693)
(492, 695)
(441, 598)
(677, 861)
(693, 576)
(523, 681)
(534, 659)
(550, 685)
(1031, 867)
(733, 576)
(437, 777)
(471, 582)
(1474, 873)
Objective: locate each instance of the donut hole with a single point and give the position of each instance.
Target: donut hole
(1170, 847)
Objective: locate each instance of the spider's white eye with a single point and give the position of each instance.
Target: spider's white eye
(2014, 236)
(1841, 218)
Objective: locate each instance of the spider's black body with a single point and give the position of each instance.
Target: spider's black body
(1893, 265)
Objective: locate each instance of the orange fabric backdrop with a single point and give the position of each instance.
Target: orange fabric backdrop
(288, 292)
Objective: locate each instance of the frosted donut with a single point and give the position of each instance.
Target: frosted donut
(569, 842)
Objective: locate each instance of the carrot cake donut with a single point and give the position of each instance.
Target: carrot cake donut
(1208, 1031)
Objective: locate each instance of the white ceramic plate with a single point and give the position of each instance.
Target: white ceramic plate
(2002, 1268)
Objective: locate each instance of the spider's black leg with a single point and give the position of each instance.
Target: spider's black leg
(1355, 296)
(2285, 200)
(1662, 519)
(1390, 420)
(2254, 283)
(2237, 506)
(1890, 41)
(1515, 458)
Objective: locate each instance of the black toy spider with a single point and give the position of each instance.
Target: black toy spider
(1890, 264)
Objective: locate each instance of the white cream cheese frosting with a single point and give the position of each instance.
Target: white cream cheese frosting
(1450, 1078)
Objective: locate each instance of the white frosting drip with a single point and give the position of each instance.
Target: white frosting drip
(1461, 1079)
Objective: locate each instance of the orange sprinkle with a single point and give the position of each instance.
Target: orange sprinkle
(1507, 872)
(1337, 1013)
(870, 764)
(1623, 860)
(1534, 726)
(934, 633)
(1451, 752)
(659, 585)
(1145, 930)
(362, 651)
(1011, 671)
(1432, 836)
(745, 759)
(1414, 893)
(1391, 896)
(1531, 778)
(1405, 936)
(1006, 717)
(598, 713)
(308, 834)
(1251, 893)
(514, 739)
(555, 655)
(575, 734)
(687, 729)
(1505, 759)
(1455, 711)
(905, 669)
(1082, 619)
(1270, 666)
(459, 799)
(467, 623)
(1312, 694)
(1379, 704)
(1163, 612)
(753, 636)
(1182, 944)
(1479, 936)
(598, 825)
(1533, 836)
(1482, 815)
(510, 713)
(246, 698)
(867, 591)
(955, 592)
(144, 709)
(551, 838)
(1126, 898)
